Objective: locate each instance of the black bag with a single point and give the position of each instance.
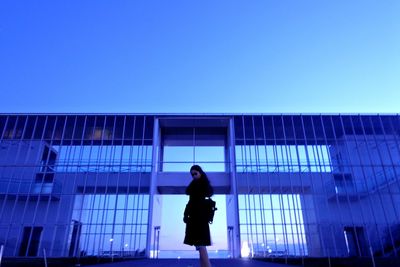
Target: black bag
(210, 209)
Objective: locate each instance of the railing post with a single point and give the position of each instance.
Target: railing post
(45, 257)
(156, 243)
(1, 253)
(372, 256)
(231, 247)
(111, 249)
(158, 240)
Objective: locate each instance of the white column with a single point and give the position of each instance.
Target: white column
(153, 185)
(232, 160)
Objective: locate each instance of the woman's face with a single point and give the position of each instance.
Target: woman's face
(195, 174)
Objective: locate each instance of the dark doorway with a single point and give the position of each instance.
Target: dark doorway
(30, 241)
(355, 241)
(76, 233)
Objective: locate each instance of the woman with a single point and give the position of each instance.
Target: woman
(195, 215)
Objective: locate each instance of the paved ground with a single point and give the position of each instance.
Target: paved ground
(193, 263)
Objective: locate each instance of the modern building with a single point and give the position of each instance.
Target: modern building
(74, 185)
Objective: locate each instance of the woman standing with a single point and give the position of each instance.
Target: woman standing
(195, 215)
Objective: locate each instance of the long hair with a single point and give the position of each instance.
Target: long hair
(205, 177)
(200, 170)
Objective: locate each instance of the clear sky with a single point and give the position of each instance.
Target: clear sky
(266, 56)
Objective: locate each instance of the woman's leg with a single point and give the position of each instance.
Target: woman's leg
(204, 261)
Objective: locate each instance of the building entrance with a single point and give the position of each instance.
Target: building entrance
(171, 231)
(181, 144)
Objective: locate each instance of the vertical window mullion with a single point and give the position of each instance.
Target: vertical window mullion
(15, 166)
(351, 165)
(54, 184)
(27, 202)
(66, 165)
(310, 177)
(373, 166)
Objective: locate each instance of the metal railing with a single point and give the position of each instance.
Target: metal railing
(156, 243)
(103, 166)
(31, 187)
(276, 166)
(362, 186)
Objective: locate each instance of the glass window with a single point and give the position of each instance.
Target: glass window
(181, 158)
(284, 222)
(103, 158)
(109, 223)
(283, 158)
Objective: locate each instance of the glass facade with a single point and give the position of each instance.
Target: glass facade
(337, 174)
(272, 224)
(110, 224)
(295, 185)
(75, 185)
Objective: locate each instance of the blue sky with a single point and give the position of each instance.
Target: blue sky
(200, 56)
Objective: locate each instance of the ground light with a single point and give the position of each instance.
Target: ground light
(245, 251)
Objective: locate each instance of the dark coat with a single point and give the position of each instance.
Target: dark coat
(195, 216)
